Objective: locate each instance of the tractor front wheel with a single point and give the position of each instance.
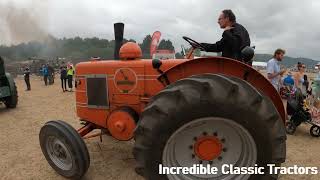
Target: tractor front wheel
(64, 149)
(210, 120)
(12, 101)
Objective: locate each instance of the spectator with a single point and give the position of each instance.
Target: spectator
(45, 73)
(315, 111)
(299, 78)
(26, 75)
(273, 68)
(63, 77)
(70, 73)
(50, 74)
(288, 80)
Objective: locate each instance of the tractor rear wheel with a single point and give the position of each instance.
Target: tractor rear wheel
(12, 101)
(64, 149)
(209, 119)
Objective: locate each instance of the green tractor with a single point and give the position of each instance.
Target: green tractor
(8, 88)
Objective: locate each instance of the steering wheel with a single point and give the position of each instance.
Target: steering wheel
(194, 43)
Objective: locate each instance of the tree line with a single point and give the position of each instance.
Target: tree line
(73, 48)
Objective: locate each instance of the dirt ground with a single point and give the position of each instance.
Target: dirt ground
(21, 156)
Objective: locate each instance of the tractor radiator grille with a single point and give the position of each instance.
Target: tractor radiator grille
(97, 91)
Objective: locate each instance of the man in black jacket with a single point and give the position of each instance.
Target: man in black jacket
(234, 38)
(51, 74)
(26, 74)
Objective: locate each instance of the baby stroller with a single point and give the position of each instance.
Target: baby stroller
(298, 108)
(286, 92)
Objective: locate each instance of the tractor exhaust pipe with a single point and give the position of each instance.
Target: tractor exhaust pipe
(118, 34)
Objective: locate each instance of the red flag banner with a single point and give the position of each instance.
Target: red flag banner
(154, 42)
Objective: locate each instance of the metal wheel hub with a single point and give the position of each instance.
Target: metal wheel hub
(316, 130)
(59, 153)
(208, 148)
(210, 141)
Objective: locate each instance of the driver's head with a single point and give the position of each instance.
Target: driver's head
(226, 18)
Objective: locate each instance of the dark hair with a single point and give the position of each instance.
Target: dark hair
(279, 51)
(306, 82)
(299, 65)
(229, 14)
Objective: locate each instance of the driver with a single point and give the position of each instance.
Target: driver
(234, 38)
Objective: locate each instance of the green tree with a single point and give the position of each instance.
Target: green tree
(166, 44)
(73, 48)
(145, 46)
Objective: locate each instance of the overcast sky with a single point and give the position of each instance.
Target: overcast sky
(289, 24)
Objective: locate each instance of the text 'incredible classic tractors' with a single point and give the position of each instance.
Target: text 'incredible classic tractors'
(180, 112)
(8, 89)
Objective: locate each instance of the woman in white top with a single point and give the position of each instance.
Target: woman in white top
(298, 78)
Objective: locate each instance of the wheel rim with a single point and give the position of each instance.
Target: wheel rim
(316, 130)
(59, 153)
(237, 148)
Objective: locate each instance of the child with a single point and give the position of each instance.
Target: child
(315, 111)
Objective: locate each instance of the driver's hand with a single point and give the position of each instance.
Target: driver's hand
(203, 48)
(228, 28)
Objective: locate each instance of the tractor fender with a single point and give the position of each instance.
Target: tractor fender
(226, 66)
(11, 84)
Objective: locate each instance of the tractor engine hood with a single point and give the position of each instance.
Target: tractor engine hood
(110, 66)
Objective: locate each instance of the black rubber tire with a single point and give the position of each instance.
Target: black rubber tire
(197, 97)
(315, 128)
(290, 128)
(73, 141)
(12, 101)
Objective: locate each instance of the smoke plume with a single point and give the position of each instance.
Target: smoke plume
(23, 22)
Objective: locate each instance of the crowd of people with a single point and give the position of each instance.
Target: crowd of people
(287, 83)
(47, 72)
(66, 75)
(284, 80)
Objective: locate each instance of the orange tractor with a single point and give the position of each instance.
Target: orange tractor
(180, 112)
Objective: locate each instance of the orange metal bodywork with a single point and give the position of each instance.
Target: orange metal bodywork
(130, 50)
(144, 82)
(121, 125)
